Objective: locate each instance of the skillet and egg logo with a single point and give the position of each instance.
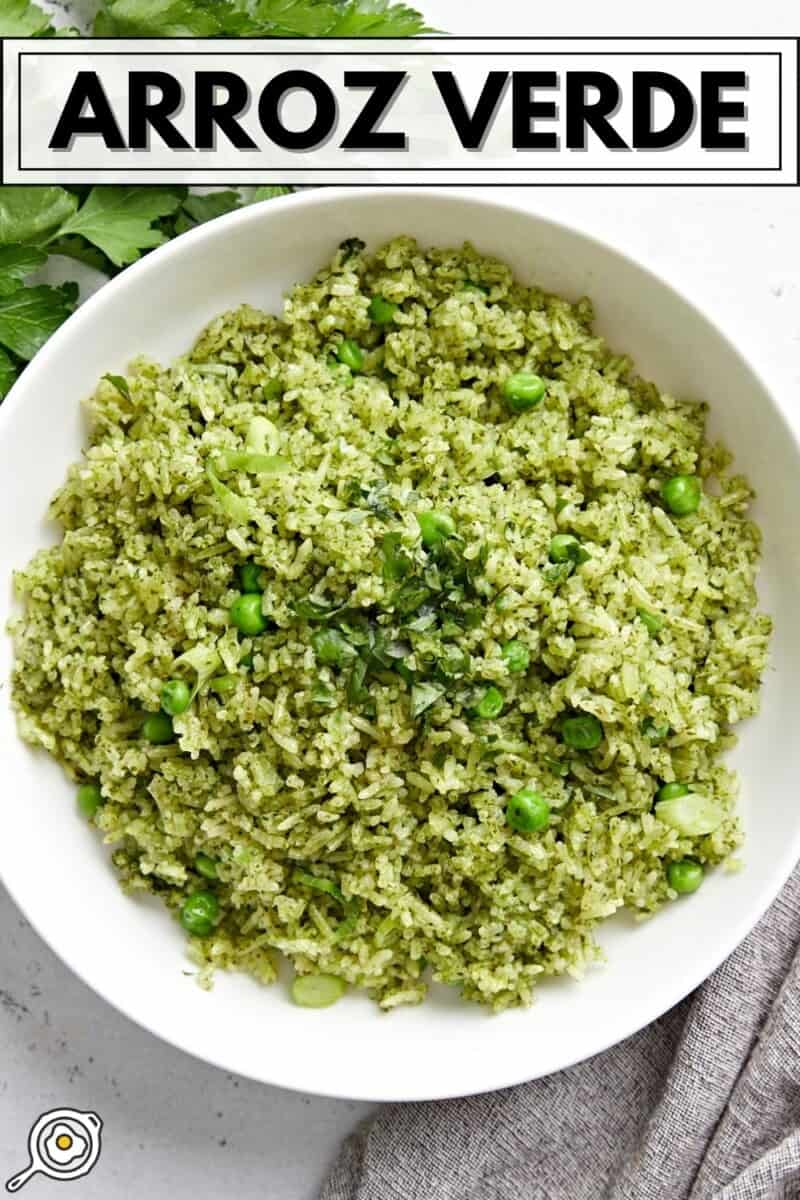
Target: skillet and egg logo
(63, 1144)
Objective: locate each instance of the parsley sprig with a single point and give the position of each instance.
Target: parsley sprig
(103, 227)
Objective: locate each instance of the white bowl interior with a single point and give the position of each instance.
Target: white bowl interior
(131, 951)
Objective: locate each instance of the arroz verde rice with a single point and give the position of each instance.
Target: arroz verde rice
(336, 529)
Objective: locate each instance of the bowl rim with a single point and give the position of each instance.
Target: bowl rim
(77, 325)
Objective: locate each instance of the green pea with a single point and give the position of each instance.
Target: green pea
(564, 547)
(523, 390)
(380, 311)
(89, 799)
(200, 913)
(582, 732)
(246, 614)
(528, 811)
(684, 876)
(331, 647)
(681, 494)
(351, 354)
(517, 656)
(157, 729)
(435, 527)
(490, 704)
(175, 697)
(206, 866)
(250, 578)
(652, 622)
(671, 791)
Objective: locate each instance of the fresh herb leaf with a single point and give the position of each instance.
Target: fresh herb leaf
(20, 18)
(655, 731)
(423, 696)
(324, 695)
(196, 210)
(8, 373)
(163, 18)
(121, 384)
(557, 766)
(28, 213)
(332, 648)
(409, 597)
(357, 691)
(314, 610)
(29, 315)
(82, 252)
(262, 18)
(16, 262)
(120, 219)
(396, 563)
(348, 926)
(558, 572)
(271, 191)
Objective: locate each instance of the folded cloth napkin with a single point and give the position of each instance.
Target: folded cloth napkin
(704, 1104)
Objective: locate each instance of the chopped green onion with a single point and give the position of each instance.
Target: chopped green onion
(255, 464)
(692, 815)
(317, 991)
(262, 437)
(222, 684)
(319, 884)
(236, 507)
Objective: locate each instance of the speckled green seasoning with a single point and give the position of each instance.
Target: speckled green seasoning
(384, 631)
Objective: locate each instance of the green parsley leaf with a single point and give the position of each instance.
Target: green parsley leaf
(119, 219)
(196, 210)
(162, 18)
(20, 18)
(30, 314)
(28, 213)
(272, 191)
(82, 252)
(15, 263)
(8, 373)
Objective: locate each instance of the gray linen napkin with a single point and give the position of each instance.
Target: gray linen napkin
(704, 1103)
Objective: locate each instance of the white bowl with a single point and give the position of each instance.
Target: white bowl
(130, 951)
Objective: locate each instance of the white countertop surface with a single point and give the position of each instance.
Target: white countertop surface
(175, 1127)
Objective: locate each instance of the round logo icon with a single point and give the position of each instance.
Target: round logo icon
(63, 1144)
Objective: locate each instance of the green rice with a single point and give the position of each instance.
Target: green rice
(354, 811)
